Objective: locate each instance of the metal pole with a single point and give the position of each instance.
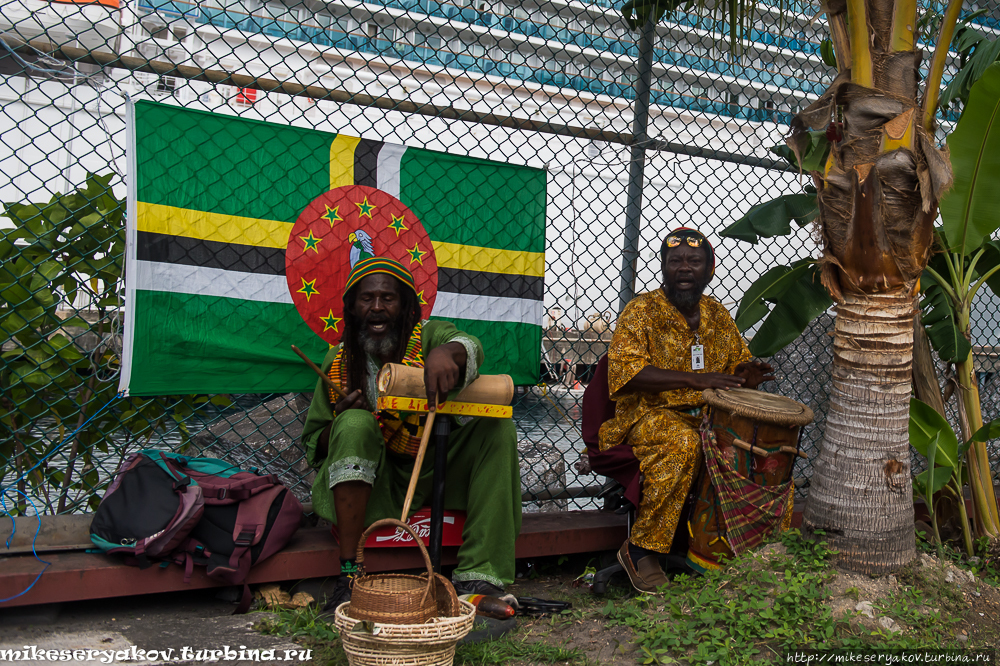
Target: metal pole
(637, 163)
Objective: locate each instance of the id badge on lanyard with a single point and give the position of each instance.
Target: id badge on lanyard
(697, 357)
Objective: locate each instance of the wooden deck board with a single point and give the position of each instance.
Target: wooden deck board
(312, 553)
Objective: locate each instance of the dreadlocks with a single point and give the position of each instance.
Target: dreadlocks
(354, 364)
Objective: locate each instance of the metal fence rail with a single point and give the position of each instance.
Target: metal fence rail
(546, 84)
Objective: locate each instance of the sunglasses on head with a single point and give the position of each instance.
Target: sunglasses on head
(692, 241)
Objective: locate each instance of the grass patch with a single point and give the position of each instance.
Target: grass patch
(753, 612)
(514, 648)
(305, 627)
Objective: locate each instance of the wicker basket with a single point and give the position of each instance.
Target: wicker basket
(429, 644)
(396, 598)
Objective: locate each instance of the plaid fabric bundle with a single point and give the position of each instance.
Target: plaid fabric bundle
(750, 512)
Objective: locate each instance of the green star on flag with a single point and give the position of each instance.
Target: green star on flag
(332, 215)
(308, 288)
(397, 224)
(330, 321)
(416, 255)
(311, 242)
(365, 209)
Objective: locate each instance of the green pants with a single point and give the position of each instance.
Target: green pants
(483, 479)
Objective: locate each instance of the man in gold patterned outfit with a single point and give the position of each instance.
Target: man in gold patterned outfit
(669, 345)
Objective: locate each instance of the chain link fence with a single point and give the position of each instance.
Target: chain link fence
(548, 84)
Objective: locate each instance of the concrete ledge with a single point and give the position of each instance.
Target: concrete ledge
(312, 553)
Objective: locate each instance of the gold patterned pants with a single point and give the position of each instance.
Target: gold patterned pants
(668, 446)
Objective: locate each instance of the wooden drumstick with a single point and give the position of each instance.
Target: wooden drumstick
(417, 464)
(322, 375)
(794, 451)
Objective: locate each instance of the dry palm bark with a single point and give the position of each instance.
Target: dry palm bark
(878, 199)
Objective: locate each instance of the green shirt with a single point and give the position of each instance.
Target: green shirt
(435, 333)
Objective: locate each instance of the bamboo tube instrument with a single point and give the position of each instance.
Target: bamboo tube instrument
(401, 388)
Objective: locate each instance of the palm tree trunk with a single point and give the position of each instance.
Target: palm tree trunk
(860, 494)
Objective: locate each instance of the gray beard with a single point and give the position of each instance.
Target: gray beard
(684, 300)
(380, 348)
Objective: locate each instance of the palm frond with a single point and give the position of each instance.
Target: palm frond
(733, 18)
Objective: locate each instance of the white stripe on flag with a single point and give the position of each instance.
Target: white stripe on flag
(387, 168)
(488, 308)
(201, 281)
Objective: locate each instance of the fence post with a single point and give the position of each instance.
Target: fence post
(637, 163)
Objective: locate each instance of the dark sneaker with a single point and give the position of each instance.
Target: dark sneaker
(477, 587)
(341, 594)
(646, 575)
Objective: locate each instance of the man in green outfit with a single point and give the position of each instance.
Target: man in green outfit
(365, 459)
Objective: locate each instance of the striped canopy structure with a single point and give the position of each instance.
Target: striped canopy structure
(242, 234)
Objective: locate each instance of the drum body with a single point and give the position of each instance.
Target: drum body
(764, 421)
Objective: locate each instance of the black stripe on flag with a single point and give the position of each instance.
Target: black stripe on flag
(169, 249)
(366, 162)
(165, 248)
(482, 283)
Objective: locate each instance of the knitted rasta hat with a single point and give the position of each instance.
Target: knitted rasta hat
(373, 265)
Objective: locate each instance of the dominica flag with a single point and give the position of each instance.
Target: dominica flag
(241, 235)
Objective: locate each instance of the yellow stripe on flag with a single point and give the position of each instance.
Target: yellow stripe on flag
(472, 258)
(200, 225)
(342, 160)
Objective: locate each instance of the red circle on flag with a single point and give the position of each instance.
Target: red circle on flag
(334, 232)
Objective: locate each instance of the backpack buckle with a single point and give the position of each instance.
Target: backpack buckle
(221, 494)
(245, 539)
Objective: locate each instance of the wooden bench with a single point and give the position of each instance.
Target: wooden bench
(76, 575)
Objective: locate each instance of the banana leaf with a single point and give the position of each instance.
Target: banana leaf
(937, 314)
(969, 210)
(774, 218)
(976, 52)
(926, 425)
(798, 298)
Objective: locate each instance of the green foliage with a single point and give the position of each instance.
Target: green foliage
(756, 610)
(511, 648)
(968, 210)
(937, 314)
(797, 298)
(59, 370)
(975, 52)
(814, 153)
(926, 426)
(735, 17)
(774, 218)
(306, 627)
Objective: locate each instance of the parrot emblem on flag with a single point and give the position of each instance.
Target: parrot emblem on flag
(329, 239)
(361, 246)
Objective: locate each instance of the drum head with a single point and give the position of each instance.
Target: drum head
(760, 406)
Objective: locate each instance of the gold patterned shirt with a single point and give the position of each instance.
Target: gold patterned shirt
(651, 331)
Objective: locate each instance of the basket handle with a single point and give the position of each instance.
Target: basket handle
(406, 528)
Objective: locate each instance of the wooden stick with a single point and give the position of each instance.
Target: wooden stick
(329, 382)
(417, 464)
(794, 451)
(747, 446)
